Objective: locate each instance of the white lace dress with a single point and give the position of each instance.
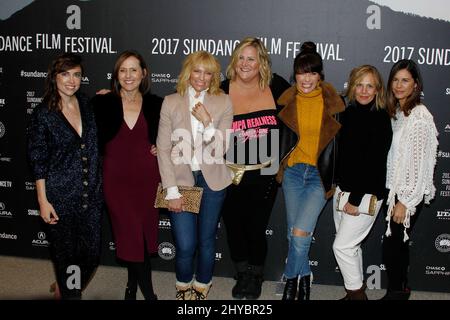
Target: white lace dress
(411, 161)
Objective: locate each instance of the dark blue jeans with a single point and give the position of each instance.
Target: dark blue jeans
(193, 232)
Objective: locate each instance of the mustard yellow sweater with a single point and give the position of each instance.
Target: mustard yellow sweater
(309, 117)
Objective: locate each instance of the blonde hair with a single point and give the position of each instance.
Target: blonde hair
(265, 73)
(195, 59)
(355, 77)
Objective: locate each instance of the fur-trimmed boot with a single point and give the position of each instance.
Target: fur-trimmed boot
(184, 290)
(200, 290)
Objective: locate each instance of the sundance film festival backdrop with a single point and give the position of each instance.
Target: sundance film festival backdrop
(348, 33)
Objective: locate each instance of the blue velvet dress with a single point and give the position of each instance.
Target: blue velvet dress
(71, 168)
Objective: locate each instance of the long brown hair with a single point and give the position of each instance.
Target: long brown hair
(411, 101)
(115, 84)
(61, 63)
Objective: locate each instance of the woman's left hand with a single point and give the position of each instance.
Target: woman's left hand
(201, 114)
(103, 91)
(351, 209)
(399, 213)
(154, 150)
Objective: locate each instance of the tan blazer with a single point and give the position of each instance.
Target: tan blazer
(176, 147)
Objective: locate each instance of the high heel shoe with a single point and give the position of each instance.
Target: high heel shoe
(55, 290)
(130, 293)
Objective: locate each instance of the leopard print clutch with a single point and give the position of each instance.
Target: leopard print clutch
(192, 197)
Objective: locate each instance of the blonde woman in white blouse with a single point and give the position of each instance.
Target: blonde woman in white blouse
(410, 166)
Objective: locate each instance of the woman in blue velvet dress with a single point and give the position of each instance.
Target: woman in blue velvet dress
(63, 153)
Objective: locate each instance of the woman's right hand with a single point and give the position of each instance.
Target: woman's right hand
(48, 213)
(351, 209)
(176, 205)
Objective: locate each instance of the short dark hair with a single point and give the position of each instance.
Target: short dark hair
(308, 60)
(115, 84)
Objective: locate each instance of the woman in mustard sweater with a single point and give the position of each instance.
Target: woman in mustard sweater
(307, 166)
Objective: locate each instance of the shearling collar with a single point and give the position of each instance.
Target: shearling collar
(332, 103)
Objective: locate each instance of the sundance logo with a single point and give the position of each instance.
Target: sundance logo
(33, 74)
(443, 215)
(40, 241)
(3, 212)
(166, 251)
(442, 243)
(112, 246)
(2, 102)
(8, 236)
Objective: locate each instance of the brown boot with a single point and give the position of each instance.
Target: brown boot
(359, 294)
(184, 290)
(200, 290)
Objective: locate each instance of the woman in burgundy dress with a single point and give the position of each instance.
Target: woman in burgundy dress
(127, 120)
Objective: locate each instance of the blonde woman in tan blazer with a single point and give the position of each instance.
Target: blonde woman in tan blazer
(192, 139)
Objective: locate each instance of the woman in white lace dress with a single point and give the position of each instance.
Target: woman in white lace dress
(410, 166)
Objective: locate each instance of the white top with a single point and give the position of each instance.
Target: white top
(197, 128)
(411, 161)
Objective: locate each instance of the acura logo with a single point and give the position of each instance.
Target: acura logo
(41, 235)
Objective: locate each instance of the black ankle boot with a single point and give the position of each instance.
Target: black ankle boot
(254, 287)
(130, 293)
(397, 294)
(290, 289)
(239, 289)
(304, 288)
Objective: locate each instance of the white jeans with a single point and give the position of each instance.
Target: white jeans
(350, 232)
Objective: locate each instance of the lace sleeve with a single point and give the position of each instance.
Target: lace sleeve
(419, 152)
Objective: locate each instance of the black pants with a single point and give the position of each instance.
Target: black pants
(246, 213)
(140, 273)
(396, 253)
